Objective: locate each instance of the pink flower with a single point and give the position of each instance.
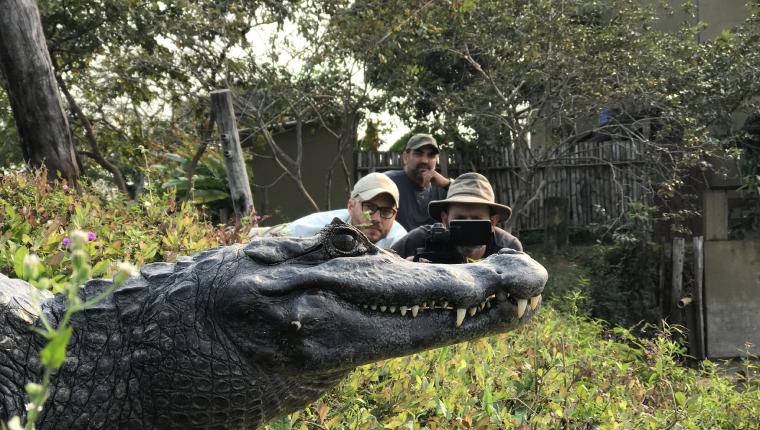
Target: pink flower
(65, 187)
(66, 242)
(91, 236)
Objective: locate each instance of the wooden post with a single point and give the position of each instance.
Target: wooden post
(661, 302)
(699, 264)
(555, 224)
(443, 158)
(234, 165)
(715, 216)
(676, 288)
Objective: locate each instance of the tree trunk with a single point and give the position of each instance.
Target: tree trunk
(33, 92)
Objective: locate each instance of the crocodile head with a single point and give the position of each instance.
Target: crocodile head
(335, 301)
(237, 335)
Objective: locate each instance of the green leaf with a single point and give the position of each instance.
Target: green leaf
(208, 196)
(177, 158)
(18, 261)
(680, 398)
(100, 268)
(54, 353)
(280, 424)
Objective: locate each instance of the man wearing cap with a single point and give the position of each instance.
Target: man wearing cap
(418, 182)
(470, 197)
(372, 207)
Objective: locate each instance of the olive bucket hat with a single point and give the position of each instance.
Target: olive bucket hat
(469, 188)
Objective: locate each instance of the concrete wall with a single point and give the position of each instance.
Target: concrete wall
(284, 201)
(732, 297)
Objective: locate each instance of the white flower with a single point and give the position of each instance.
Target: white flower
(79, 237)
(126, 268)
(30, 262)
(15, 424)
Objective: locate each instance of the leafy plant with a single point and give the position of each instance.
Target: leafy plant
(209, 182)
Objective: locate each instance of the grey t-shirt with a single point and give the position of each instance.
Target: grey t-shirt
(413, 200)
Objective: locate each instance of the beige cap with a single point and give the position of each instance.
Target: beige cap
(421, 139)
(469, 188)
(373, 184)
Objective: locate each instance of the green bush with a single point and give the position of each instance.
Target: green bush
(36, 215)
(562, 370)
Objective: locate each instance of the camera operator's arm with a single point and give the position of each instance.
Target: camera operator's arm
(503, 239)
(432, 176)
(407, 245)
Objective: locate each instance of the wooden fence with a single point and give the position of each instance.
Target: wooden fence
(597, 179)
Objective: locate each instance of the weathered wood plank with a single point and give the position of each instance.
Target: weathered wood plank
(234, 165)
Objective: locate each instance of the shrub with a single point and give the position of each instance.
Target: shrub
(36, 215)
(562, 370)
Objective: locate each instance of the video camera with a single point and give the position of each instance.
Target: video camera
(441, 243)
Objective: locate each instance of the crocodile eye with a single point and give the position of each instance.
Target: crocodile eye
(344, 242)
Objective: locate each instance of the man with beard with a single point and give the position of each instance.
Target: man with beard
(470, 197)
(372, 207)
(418, 182)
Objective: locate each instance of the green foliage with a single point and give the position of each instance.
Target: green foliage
(534, 77)
(209, 183)
(371, 140)
(35, 215)
(616, 274)
(561, 371)
(623, 281)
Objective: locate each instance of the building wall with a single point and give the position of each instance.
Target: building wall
(719, 15)
(284, 201)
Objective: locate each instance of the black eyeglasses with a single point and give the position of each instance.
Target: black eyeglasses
(385, 212)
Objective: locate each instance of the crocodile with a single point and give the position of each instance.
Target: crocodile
(235, 336)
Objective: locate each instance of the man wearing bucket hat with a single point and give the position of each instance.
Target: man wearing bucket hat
(418, 182)
(372, 207)
(470, 197)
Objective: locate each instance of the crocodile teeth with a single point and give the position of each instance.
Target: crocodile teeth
(482, 306)
(373, 307)
(521, 305)
(402, 309)
(534, 302)
(445, 305)
(460, 316)
(296, 324)
(383, 308)
(415, 309)
(432, 304)
(392, 309)
(472, 311)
